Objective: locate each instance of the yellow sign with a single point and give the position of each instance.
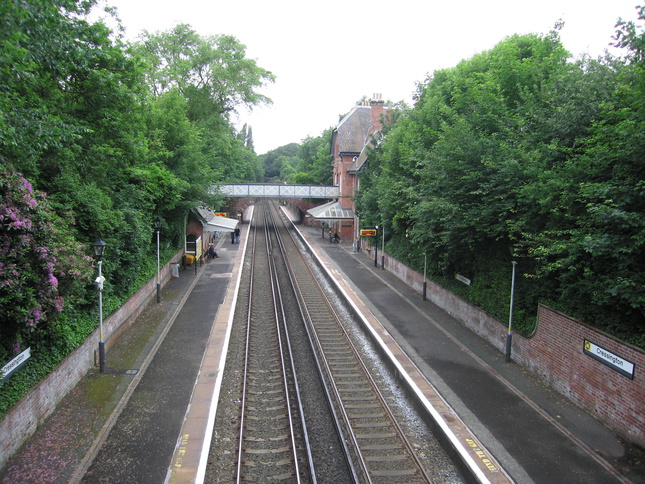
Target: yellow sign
(368, 232)
(221, 214)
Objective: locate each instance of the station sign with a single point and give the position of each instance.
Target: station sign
(463, 279)
(612, 360)
(368, 232)
(14, 365)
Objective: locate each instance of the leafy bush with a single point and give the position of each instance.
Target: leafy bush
(42, 267)
(521, 154)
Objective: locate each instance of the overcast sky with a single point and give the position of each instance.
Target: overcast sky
(328, 55)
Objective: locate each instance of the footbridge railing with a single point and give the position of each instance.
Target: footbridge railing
(277, 190)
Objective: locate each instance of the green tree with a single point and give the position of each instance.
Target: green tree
(595, 250)
(520, 153)
(79, 121)
(316, 160)
(71, 119)
(246, 137)
(211, 72)
(287, 166)
(270, 160)
(214, 78)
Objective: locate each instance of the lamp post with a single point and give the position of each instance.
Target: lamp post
(157, 229)
(425, 270)
(99, 250)
(509, 335)
(383, 249)
(376, 249)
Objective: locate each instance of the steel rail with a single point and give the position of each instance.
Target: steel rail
(260, 326)
(302, 308)
(306, 306)
(240, 448)
(277, 298)
(308, 450)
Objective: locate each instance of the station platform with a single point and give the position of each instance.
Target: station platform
(145, 418)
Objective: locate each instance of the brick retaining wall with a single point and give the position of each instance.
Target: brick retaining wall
(555, 353)
(22, 420)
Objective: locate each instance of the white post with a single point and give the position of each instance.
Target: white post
(509, 335)
(383, 249)
(158, 276)
(425, 268)
(101, 341)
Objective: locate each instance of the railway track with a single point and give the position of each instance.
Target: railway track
(363, 441)
(379, 449)
(269, 429)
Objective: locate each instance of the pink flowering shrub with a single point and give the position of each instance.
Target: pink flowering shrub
(41, 265)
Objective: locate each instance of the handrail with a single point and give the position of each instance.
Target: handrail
(278, 190)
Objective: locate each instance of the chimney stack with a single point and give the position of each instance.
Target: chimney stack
(376, 105)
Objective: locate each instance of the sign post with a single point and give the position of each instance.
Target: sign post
(509, 335)
(372, 233)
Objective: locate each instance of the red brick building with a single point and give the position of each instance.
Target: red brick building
(349, 141)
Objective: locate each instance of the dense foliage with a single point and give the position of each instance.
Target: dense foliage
(97, 139)
(39, 265)
(516, 154)
(307, 163)
(521, 154)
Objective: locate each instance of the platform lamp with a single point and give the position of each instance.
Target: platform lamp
(157, 229)
(383, 249)
(376, 248)
(99, 250)
(509, 335)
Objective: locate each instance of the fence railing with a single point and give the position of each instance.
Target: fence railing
(277, 190)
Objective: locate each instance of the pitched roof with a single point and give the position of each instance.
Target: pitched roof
(354, 130)
(360, 160)
(204, 214)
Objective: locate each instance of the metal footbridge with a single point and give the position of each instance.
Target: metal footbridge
(278, 190)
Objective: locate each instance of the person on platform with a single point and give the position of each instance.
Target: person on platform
(211, 253)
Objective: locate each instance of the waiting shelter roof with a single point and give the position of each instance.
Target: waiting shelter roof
(331, 211)
(220, 224)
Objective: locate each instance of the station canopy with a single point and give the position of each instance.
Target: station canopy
(330, 212)
(220, 224)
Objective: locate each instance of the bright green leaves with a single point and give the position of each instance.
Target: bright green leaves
(117, 135)
(196, 82)
(212, 72)
(519, 153)
(308, 163)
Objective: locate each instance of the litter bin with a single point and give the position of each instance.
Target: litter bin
(175, 269)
